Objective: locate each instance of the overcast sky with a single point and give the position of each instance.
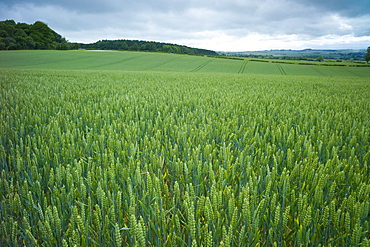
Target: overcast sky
(221, 25)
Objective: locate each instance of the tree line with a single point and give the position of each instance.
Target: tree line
(36, 36)
(139, 45)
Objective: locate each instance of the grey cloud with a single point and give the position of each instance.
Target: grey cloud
(349, 8)
(164, 20)
(99, 6)
(81, 6)
(248, 7)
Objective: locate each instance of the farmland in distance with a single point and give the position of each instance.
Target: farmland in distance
(164, 62)
(143, 149)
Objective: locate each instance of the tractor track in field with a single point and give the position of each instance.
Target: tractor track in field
(282, 71)
(160, 65)
(352, 72)
(201, 66)
(242, 68)
(319, 71)
(115, 62)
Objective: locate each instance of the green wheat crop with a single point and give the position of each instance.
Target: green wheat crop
(183, 159)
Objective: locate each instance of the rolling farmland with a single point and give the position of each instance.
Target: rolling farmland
(142, 149)
(163, 62)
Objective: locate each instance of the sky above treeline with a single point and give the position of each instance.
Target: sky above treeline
(220, 25)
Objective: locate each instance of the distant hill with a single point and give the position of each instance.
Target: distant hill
(307, 54)
(139, 45)
(37, 36)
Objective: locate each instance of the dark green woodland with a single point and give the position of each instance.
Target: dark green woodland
(140, 45)
(36, 36)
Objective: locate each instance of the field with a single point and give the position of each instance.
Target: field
(309, 54)
(146, 61)
(143, 149)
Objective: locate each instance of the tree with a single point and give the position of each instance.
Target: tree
(140, 45)
(367, 56)
(20, 36)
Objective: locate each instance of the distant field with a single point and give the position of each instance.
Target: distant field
(350, 54)
(145, 61)
(150, 149)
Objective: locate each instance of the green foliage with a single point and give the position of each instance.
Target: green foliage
(21, 36)
(320, 58)
(367, 56)
(91, 158)
(139, 45)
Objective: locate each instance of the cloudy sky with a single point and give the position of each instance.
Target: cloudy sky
(221, 25)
